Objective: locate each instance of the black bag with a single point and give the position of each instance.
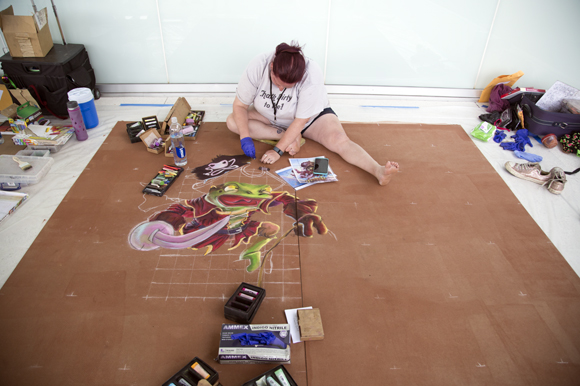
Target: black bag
(50, 78)
(542, 122)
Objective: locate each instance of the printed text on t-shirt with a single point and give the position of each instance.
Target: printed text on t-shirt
(268, 99)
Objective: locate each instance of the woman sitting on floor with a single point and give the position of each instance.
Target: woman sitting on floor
(281, 96)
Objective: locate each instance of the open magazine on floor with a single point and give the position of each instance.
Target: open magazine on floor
(288, 175)
(300, 173)
(9, 201)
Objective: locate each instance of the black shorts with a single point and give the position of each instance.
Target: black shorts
(327, 110)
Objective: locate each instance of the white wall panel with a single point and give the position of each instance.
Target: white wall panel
(456, 44)
(212, 41)
(407, 43)
(537, 37)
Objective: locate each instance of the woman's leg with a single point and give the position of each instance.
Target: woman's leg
(260, 127)
(328, 131)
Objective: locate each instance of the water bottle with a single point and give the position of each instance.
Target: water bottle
(74, 112)
(177, 142)
(1, 139)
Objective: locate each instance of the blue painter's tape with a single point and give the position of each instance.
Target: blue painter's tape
(392, 107)
(537, 138)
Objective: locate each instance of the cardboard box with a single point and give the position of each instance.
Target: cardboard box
(149, 137)
(180, 110)
(10, 111)
(234, 349)
(168, 148)
(26, 36)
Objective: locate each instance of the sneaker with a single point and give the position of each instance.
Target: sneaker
(556, 181)
(530, 171)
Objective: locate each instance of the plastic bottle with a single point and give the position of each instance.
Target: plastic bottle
(178, 143)
(74, 112)
(1, 139)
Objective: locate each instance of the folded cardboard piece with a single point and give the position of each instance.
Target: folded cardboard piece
(7, 107)
(26, 36)
(180, 110)
(23, 96)
(28, 109)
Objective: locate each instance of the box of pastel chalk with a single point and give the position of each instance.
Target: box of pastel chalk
(133, 129)
(244, 303)
(190, 375)
(277, 376)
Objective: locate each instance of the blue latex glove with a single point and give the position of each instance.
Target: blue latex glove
(263, 338)
(522, 139)
(509, 146)
(528, 156)
(499, 136)
(248, 147)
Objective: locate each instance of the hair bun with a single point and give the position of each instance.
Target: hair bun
(292, 48)
(289, 63)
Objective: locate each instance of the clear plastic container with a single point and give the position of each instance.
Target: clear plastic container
(51, 148)
(33, 153)
(11, 172)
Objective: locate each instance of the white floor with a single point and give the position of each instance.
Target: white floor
(558, 216)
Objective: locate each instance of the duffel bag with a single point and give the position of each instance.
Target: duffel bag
(542, 122)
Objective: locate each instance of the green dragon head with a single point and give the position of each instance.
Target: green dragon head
(238, 196)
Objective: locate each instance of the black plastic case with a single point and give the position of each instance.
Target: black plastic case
(159, 191)
(64, 68)
(252, 382)
(133, 129)
(244, 303)
(190, 376)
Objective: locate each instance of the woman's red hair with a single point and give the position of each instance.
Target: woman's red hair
(289, 63)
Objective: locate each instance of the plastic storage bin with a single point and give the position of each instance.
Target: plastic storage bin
(51, 148)
(33, 153)
(11, 172)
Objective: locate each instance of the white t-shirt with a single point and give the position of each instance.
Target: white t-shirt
(306, 99)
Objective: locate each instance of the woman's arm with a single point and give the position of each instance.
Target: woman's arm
(240, 112)
(292, 133)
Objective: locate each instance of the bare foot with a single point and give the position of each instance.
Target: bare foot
(386, 172)
(294, 147)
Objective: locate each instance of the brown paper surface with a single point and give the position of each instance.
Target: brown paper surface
(439, 278)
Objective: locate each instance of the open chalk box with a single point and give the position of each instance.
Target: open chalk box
(244, 303)
(134, 128)
(190, 375)
(278, 375)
